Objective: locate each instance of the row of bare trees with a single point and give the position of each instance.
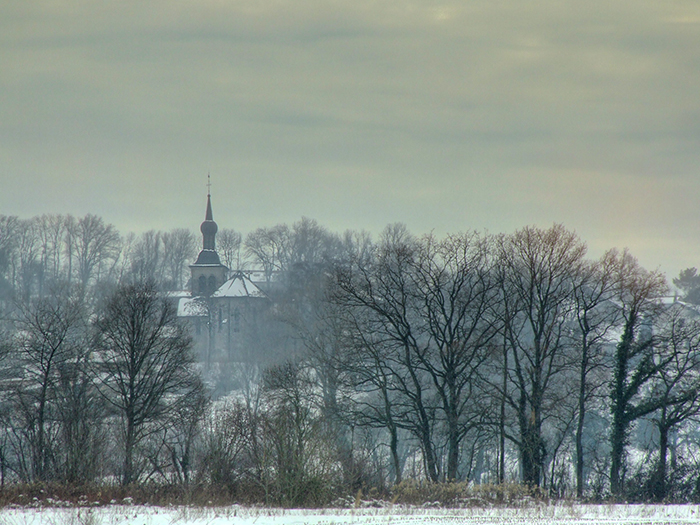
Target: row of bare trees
(41, 252)
(475, 344)
(468, 357)
(81, 387)
(52, 248)
(92, 394)
(519, 350)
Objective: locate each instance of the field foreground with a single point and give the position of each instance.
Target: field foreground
(395, 515)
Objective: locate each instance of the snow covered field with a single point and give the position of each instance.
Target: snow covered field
(396, 515)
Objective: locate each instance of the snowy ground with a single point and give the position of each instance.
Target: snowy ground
(544, 515)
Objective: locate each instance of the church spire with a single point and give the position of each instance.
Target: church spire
(208, 274)
(208, 228)
(209, 216)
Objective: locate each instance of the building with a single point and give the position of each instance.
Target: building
(227, 310)
(207, 273)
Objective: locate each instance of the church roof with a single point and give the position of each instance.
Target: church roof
(239, 286)
(207, 258)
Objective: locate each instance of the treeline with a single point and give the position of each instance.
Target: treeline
(39, 252)
(473, 357)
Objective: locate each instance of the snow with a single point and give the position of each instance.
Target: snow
(571, 514)
(239, 286)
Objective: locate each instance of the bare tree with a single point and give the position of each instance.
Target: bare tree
(8, 370)
(296, 447)
(677, 386)
(50, 334)
(457, 286)
(281, 248)
(229, 246)
(422, 315)
(311, 244)
(51, 232)
(538, 270)
(379, 406)
(173, 448)
(179, 247)
(144, 362)
(269, 248)
(8, 228)
(92, 243)
(147, 258)
(385, 291)
(227, 449)
(80, 412)
(26, 263)
(596, 316)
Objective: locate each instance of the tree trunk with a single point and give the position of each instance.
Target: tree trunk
(452, 439)
(579, 425)
(394, 446)
(129, 453)
(617, 445)
(40, 446)
(430, 460)
(502, 444)
(530, 456)
(659, 484)
(452, 456)
(618, 433)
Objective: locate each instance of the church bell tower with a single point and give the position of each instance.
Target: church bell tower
(207, 272)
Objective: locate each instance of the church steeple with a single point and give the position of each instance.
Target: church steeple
(209, 228)
(207, 272)
(209, 216)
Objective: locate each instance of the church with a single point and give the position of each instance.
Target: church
(225, 308)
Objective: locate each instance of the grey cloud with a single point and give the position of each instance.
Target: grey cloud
(446, 115)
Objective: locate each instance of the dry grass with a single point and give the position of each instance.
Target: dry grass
(52, 495)
(465, 494)
(408, 493)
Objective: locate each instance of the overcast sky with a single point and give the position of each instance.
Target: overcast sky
(448, 116)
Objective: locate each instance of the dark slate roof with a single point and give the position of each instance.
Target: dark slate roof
(208, 257)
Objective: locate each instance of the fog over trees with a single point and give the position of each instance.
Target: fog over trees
(508, 358)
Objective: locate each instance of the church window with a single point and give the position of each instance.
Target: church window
(236, 320)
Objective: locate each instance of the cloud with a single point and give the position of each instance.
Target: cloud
(447, 115)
